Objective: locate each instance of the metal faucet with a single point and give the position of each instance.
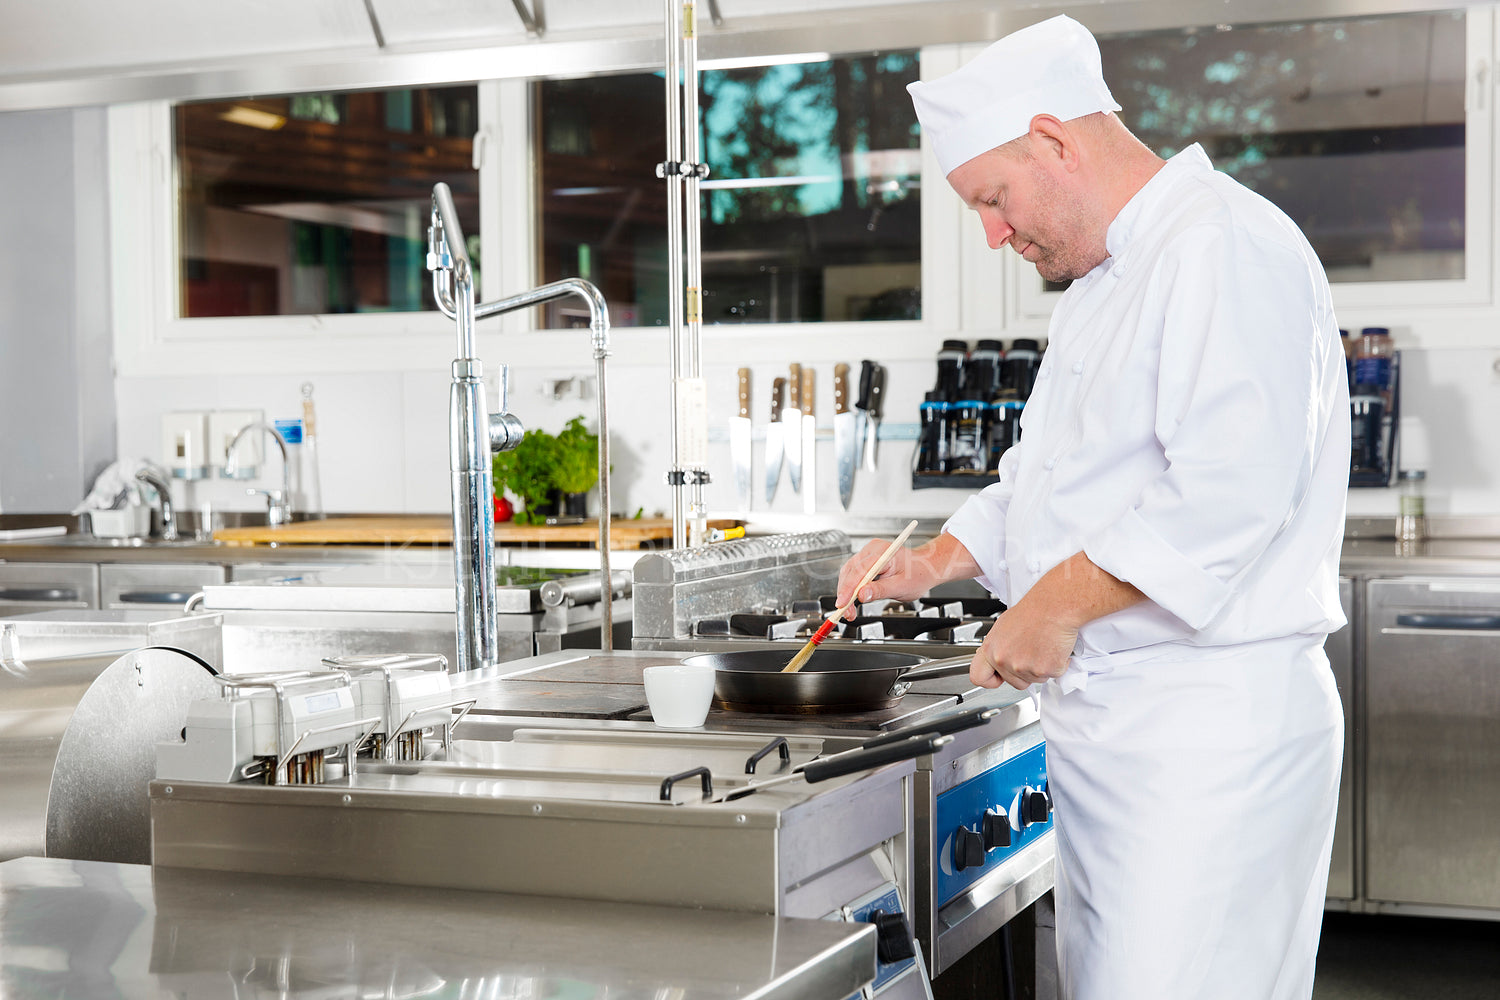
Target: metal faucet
(279, 501)
(474, 433)
(164, 493)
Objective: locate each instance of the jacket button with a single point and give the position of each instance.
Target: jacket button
(1077, 367)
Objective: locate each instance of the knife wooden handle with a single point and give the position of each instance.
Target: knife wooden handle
(841, 388)
(794, 386)
(778, 393)
(806, 395)
(744, 392)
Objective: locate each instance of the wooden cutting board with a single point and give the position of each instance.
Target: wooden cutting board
(437, 529)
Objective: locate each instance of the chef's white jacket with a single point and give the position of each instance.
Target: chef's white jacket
(1189, 432)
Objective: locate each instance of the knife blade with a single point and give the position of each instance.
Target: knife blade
(739, 442)
(843, 433)
(791, 416)
(809, 442)
(774, 431)
(872, 402)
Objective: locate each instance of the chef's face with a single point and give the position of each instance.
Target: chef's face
(1024, 205)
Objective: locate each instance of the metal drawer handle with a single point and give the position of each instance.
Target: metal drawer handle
(37, 594)
(154, 597)
(1449, 621)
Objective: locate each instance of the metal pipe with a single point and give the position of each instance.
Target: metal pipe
(474, 435)
(674, 256)
(693, 219)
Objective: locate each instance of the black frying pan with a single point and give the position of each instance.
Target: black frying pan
(834, 680)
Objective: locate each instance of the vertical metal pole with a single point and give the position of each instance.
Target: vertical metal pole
(692, 208)
(674, 254)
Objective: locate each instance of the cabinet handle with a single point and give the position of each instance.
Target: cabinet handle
(37, 594)
(1449, 621)
(154, 597)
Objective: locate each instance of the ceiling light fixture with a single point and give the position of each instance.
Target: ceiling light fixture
(241, 115)
(748, 62)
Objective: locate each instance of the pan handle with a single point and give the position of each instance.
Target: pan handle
(950, 667)
(952, 723)
(862, 760)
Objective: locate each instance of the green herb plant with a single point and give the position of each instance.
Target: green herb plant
(577, 467)
(526, 471)
(543, 465)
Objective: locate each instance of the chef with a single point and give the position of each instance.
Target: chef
(1166, 533)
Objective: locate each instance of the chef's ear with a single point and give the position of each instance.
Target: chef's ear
(1052, 140)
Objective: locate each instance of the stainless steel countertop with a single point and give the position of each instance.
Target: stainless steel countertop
(79, 928)
(1458, 545)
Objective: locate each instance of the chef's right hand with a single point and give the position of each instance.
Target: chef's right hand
(910, 573)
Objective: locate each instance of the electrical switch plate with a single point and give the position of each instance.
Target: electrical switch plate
(184, 443)
(223, 425)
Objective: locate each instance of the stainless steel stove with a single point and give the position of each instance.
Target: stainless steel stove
(983, 839)
(759, 592)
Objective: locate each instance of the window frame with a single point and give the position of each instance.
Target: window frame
(1033, 304)
(964, 293)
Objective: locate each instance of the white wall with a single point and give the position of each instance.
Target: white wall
(383, 437)
(56, 391)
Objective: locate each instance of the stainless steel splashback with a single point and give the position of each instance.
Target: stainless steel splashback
(675, 588)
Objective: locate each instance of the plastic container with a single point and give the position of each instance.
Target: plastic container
(1366, 431)
(950, 367)
(932, 441)
(982, 370)
(1005, 424)
(312, 482)
(1372, 361)
(968, 448)
(1018, 369)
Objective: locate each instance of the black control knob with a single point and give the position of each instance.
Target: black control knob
(968, 849)
(892, 937)
(996, 829)
(1036, 806)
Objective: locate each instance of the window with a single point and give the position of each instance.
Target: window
(318, 203)
(1355, 128)
(811, 212)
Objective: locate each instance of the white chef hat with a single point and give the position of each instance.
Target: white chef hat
(1051, 67)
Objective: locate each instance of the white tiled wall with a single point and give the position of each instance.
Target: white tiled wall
(383, 437)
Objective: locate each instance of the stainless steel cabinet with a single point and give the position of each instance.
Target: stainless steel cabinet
(1340, 650)
(1432, 682)
(134, 585)
(30, 587)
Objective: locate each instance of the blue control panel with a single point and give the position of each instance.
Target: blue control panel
(889, 902)
(895, 937)
(1014, 792)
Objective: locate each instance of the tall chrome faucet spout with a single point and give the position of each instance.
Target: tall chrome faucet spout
(279, 510)
(475, 434)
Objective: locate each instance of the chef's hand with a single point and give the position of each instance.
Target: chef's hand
(910, 573)
(1033, 640)
(1023, 648)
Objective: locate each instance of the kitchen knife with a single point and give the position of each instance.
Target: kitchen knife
(843, 433)
(861, 408)
(774, 431)
(791, 417)
(809, 443)
(739, 442)
(871, 402)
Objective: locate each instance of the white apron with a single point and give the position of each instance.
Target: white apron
(1195, 807)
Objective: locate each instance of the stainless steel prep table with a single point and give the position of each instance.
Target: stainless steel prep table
(80, 928)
